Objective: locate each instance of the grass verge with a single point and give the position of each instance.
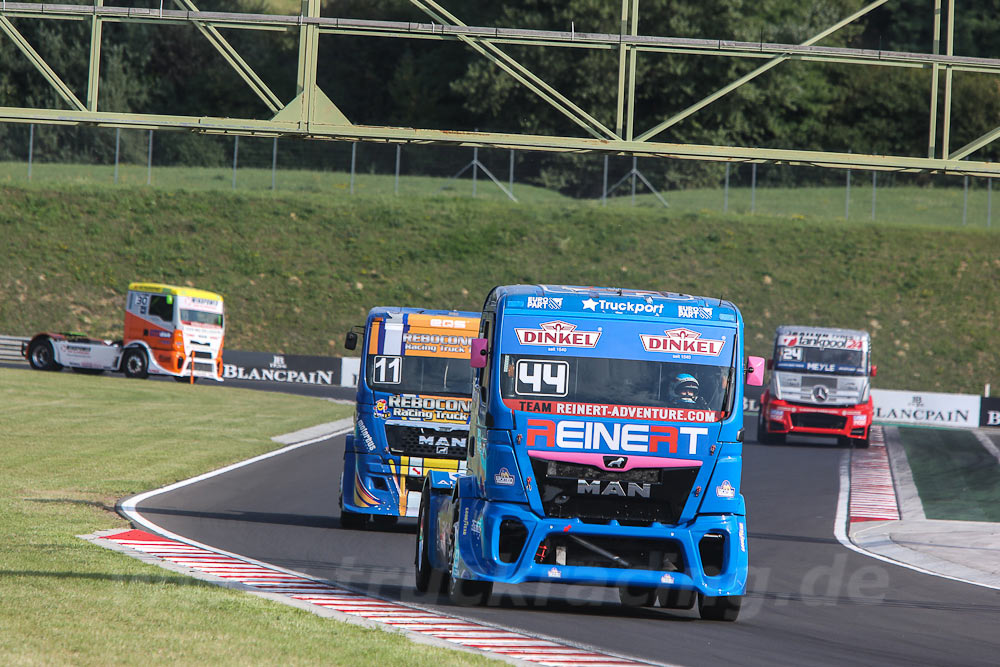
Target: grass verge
(300, 268)
(70, 446)
(955, 476)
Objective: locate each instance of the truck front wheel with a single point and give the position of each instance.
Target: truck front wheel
(135, 364)
(637, 596)
(426, 577)
(673, 598)
(349, 520)
(765, 437)
(722, 608)
(467, 592)
(42, 356)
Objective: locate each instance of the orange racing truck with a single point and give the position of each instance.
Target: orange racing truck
(169, 330)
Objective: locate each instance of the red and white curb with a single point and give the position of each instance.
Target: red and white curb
(873, 496)
(303, 592)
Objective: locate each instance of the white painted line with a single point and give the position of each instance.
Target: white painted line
(985, 441)
(301, 590)
(840, 524)
(500, 642)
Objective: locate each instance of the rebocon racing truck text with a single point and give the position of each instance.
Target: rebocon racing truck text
(820, 385)
(605, 448)
(411, 412)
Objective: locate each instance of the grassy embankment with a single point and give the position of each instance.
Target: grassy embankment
(70, 446)
(299, 267)
(959, 486)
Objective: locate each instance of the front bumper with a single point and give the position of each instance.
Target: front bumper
(708, 554)
(390, 486)
(844, 421)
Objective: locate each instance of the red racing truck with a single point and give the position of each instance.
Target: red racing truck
(820, 385)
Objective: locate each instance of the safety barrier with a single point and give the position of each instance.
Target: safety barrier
(891, 406)
(10, 348)
(922, 408)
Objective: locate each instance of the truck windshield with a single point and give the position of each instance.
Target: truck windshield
(820, 360)
(201, 317)
(420, 375)
(615, 381)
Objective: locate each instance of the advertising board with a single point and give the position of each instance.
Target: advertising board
(926, 408)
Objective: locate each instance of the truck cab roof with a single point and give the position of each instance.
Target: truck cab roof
(176, 290)
(391, 312)
(610, 301)
(792, 329)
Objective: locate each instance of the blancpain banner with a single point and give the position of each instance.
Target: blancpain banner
(285, 368)
(926, 408)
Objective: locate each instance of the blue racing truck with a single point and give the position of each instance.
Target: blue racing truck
(411, 413)
(605, 448)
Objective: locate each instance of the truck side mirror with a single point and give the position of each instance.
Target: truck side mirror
(351, 341)
(755, 371)
(478, 357)
(874, 370)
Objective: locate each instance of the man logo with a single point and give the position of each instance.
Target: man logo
(631, 489)
(821, 393)
(615, 461)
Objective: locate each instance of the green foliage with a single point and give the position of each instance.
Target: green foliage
(447, 85)
(961, 486)
(299, 269)
(87, 444)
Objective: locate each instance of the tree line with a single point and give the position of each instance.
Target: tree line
(445, 85)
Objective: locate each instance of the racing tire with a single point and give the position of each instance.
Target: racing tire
(861, 443)
(42, 356)
(349, 520)
(383, 521)
(637, 596)
(426, 577)
(764, 436)
(352, 520)
(466, 592)
(722, 608)
(676, 598)
(469, 593)
(135, 364)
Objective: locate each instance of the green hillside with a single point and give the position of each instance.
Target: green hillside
(298, 269)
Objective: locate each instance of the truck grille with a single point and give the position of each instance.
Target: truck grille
(593, 495)
(202, 367)
(818, 420)
(423, 441)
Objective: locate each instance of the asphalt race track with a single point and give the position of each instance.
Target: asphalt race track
(811, 601)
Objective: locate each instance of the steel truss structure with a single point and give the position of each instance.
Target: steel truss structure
(313, 115)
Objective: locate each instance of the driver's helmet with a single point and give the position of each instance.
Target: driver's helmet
(685, 388)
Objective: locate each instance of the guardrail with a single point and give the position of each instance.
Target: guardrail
(891, 406)
(10, 348)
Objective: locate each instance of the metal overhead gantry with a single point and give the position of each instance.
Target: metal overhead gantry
(313, 115)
